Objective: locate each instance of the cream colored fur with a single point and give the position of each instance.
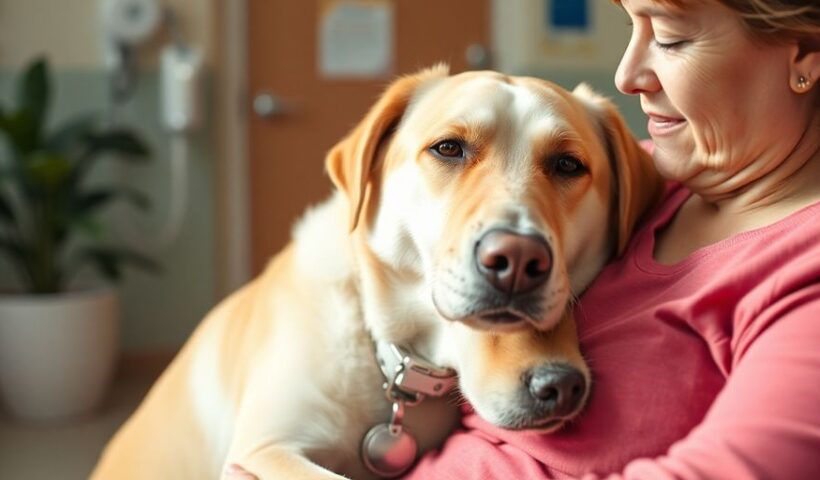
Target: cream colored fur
(281, 378)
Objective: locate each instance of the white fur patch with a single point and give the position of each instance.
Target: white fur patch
(323, 225)
(211, 406)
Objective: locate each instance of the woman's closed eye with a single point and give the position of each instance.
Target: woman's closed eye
(668, 45)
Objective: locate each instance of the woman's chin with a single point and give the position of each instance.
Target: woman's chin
(673, 161)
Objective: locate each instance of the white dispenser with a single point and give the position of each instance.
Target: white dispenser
(180, 87)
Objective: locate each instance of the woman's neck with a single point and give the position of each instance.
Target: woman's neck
(722, 207)
(775, 186)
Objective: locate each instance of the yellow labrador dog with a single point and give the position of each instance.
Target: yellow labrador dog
(470, 210)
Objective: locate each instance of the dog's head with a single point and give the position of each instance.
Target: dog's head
(481, 205)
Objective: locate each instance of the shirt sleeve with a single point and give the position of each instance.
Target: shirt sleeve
(765, 423)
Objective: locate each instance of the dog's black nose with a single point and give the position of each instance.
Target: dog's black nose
(562, 387)
(513, 263)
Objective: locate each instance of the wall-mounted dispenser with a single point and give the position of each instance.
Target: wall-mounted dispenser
(180, 94)
(128, 24)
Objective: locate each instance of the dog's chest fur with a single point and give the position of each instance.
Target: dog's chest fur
(318, 367)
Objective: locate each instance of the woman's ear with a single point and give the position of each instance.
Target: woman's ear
(351, 161)
(805, 65)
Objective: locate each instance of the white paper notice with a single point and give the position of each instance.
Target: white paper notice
(356, 39)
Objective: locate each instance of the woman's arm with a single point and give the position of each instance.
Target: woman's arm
(766, 421)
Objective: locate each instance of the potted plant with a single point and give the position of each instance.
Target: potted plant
(58, 343)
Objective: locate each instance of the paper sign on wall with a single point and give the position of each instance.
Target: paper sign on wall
(355, 38)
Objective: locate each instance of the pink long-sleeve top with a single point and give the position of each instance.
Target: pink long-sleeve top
(705, 369)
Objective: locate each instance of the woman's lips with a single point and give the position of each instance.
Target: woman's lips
(659, 125)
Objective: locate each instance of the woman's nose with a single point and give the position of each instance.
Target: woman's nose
(634, 74)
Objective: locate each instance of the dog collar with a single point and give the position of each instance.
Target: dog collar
(411, 376)
(388, 450)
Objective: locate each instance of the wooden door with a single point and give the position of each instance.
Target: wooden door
(287, 149)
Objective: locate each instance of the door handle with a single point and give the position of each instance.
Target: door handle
(478, 57)
(268, 105)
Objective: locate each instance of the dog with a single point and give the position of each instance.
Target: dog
(469, 211)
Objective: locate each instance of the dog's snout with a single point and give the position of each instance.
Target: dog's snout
(562, 387)
(511, 262)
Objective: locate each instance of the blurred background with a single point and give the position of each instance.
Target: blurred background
(236, 102)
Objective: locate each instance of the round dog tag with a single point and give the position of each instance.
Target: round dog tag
(388, 452)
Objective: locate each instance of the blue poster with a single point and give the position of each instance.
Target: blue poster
(568, 15)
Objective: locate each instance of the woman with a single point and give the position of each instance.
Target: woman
(704, 337)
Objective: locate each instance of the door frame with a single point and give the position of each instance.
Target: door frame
(232, 201)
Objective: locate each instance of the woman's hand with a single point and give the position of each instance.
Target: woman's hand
(235, 472)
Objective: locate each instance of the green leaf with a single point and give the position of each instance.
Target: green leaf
(106, 265)
(44, 200)
(6, 212)
(47, 170)
(34, 91)
(96, 199)
(123, 142)
(88, 225)
(72, 133)
(14, 248)
(117, 141)
(110, 261)
(136, 259)
(21, 129)
(18, 254)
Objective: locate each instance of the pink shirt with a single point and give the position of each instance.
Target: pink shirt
(708, 368)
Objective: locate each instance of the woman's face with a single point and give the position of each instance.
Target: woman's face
(718, 103)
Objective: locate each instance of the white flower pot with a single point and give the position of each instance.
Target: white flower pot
(57, 352)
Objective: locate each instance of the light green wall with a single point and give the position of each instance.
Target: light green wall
(159, 312)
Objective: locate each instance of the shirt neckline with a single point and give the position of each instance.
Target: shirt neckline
(645, 257)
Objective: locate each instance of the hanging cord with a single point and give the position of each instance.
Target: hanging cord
(152, 240)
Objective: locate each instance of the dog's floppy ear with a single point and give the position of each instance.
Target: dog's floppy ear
(350, 162)
(639, 185)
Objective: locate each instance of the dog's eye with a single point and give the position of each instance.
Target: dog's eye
(449, 149)
(567, 166)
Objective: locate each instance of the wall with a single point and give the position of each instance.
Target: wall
(69, 30)
(159, 311)
(524, 45)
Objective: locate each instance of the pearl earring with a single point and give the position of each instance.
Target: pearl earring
(802, 82)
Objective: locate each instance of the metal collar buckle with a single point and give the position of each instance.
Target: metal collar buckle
(388, 449)
(410, 378)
